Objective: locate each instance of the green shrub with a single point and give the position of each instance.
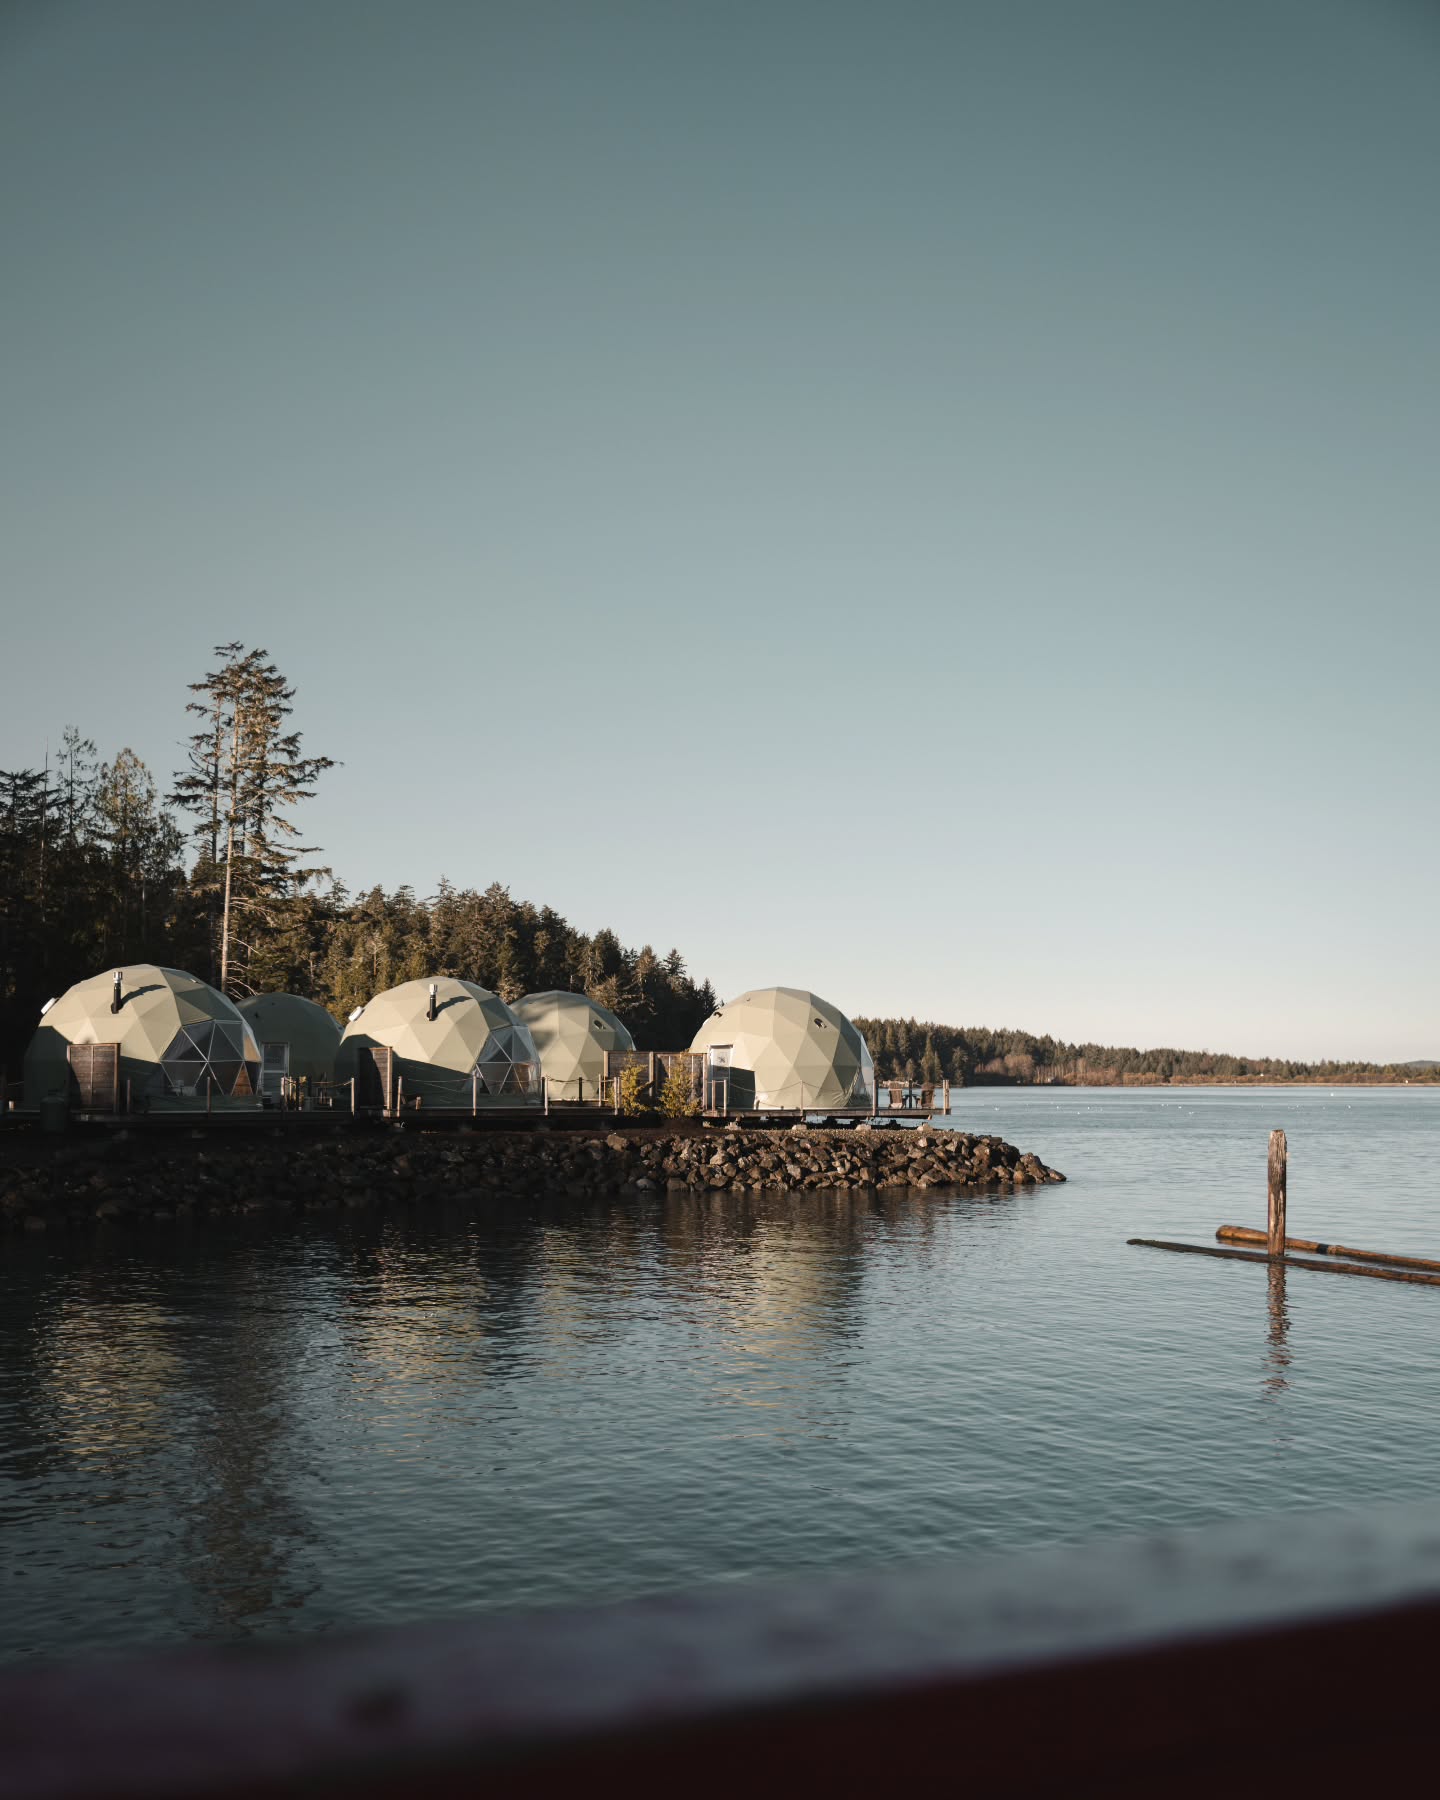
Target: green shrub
(677, 1097)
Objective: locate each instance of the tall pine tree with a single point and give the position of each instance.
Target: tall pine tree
(245, 774)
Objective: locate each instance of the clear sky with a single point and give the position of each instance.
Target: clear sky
(932, 502)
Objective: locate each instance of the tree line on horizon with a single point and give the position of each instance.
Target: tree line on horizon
(102, 866)
(911, 1050)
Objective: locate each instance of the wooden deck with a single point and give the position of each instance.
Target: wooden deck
(813, 1114)
(1283, 1655)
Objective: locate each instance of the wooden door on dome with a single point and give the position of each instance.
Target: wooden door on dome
(375, 1077)
(95, 1077)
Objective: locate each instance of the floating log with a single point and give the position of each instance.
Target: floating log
(1291, 1262)
(1245, 1234)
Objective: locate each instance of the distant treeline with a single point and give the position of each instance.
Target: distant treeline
(100, 866)
(905, 1049)
(103, 865)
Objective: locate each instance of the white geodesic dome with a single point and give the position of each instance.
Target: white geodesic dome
(572, 1034)
(474, 1050)
(181, 1041)
(305, 1033)
(787, 1048)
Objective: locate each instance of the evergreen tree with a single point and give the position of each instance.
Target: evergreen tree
(140, 847)
(74, 787)
(246, 773)
(27, 951)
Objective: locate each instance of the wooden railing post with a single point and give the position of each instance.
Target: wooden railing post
(1275, 1209)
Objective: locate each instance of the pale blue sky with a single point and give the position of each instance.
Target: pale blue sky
(931, 502)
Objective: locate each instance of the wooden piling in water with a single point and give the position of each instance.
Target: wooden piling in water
(1379, 1265)
(1275, 1197)
(1246, 1234)
(1291, 1262)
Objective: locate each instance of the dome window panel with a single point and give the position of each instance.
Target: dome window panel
(202, 1061)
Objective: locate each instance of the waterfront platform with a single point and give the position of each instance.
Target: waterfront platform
(1281, 1655)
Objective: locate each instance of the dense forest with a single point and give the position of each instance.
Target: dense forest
(101, 865)
(929, 1052)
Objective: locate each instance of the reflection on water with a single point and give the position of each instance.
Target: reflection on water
(238, 1548)
(125, 1392)
(105, 1371)
(278, 1426)
(1277, 1354)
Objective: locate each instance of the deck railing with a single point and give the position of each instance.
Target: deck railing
(1286, 1655)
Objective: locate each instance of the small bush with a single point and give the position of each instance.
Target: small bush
(632, 1090)
(677, 1098)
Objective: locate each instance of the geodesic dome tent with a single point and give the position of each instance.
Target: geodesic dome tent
(781, 1048)
(178, 1042)
(296, 1038)
(473, 1051)
(572, 1034)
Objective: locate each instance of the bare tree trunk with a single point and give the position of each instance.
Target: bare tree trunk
(225, 911)
(215, 786)
(215, 830)
(235, 742)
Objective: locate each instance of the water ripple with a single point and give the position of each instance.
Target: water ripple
(271, 1427)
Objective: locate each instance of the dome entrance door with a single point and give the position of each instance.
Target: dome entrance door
(95, 1077)
(375, 1078)
(717, 1078)
(274, 1067)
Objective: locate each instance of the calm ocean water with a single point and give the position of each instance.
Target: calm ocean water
(273, 1427)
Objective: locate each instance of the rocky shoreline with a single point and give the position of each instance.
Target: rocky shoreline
(125, 1178)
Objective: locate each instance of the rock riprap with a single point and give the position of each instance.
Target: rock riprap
(135, 1178)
